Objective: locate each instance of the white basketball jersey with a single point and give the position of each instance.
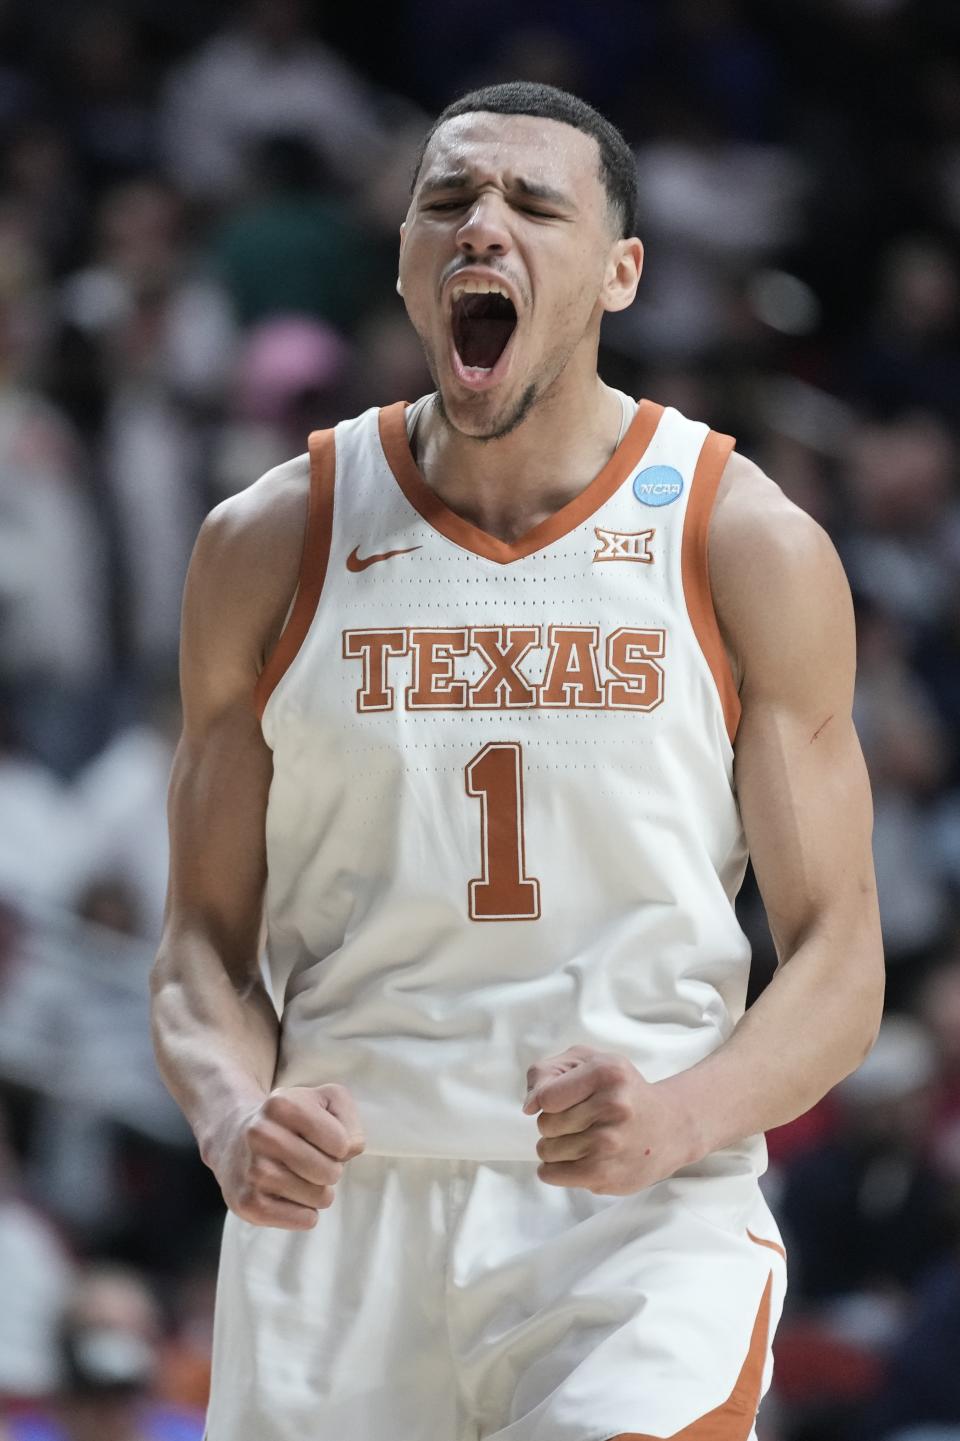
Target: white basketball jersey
(502, 817)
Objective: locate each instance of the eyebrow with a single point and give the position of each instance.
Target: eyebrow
(462, 180)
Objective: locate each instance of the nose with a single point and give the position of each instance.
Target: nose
(484, 231)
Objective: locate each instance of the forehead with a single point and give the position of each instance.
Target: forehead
(505, 147)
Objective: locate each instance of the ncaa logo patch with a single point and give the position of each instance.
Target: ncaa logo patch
(658, 485)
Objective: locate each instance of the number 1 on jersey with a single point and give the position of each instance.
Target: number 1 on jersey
(503, 892)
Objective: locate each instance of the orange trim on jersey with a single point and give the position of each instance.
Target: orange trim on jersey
(773, 1245)
(313, 565)
(695, 571)
(733, 1419)
(396, 448)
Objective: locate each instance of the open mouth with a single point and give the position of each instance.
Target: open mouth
(483, 322)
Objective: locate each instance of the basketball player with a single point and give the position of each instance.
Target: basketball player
(471, 722)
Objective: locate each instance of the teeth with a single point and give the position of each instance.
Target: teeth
(479, 287)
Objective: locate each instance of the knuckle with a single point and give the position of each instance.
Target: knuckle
(324, 1173)
(258, 1171)
(618, 1109)
(277, 1107)
(258, 1130)
(246, 1205)
(606, 1143)
(338, 1147)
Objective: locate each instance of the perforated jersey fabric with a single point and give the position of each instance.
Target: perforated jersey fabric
(502, 817)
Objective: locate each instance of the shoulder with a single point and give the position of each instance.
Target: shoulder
(246, 559)
(256, 535)
(775, 575)
(266, 513)
(754, 521)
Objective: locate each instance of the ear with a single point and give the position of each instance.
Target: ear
(403, 236)
(622, 274)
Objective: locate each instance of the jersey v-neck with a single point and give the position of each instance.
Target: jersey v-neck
(624, 460)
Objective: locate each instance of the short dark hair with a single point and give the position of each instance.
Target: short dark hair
(618, 170)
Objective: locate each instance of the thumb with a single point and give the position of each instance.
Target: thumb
(338, 1101)
(536, 1076)
(549, 1069)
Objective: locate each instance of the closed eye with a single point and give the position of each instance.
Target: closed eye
(459, 204)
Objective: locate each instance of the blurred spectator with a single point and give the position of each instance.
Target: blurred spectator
(908, 756)
(74, 1032)
(912, 358)
(184, 1371)
(867, 1220)
(52, 594)
(904, 550)
(42, 184)
(922, 1382)
(104, 91)
(391, 357)
(609, 45)
(146, 297)
(294, 246)
(871, 1185)
(710, 209)
(37, 1277)
(165, 334)
(293, 375)
(122, 797)
(42, 836)
(265, 75)
(110, 1338)
(730, 62)
(938, 1006)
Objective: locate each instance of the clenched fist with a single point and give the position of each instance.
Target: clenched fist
(603, 1127)
(278, 1163)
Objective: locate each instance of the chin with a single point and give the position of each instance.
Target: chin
(486, 415)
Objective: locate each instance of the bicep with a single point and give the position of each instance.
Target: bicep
(801, 780)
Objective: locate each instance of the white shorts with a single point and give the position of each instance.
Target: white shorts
(450, 1300)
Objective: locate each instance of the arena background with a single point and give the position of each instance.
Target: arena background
(198, 222)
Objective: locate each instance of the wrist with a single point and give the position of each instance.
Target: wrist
(690, 1118)
(216, 1132)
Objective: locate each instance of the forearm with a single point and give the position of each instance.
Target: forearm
(813, 1025)
(215, 1040)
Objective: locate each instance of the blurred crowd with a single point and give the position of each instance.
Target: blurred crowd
(199, 207)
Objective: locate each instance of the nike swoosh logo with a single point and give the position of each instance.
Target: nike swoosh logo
(356, 562)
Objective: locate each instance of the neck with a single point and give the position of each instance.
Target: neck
(509, 485)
